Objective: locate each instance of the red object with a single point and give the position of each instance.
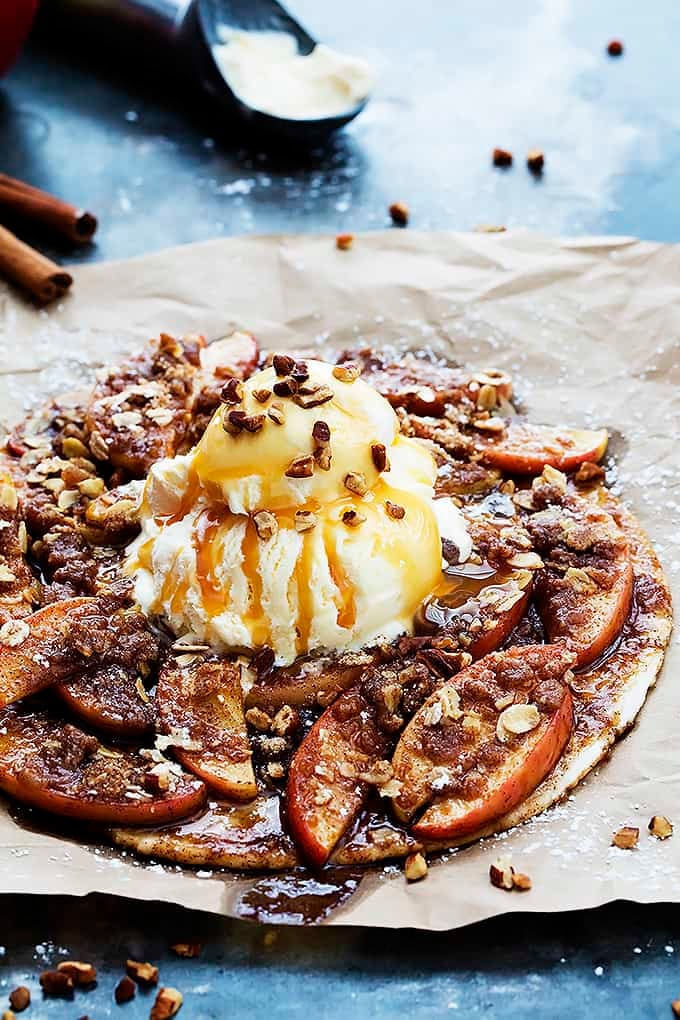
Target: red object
(16, 18)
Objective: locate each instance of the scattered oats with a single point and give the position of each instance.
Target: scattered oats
(126, 420)
(14, 632)
(159, 415)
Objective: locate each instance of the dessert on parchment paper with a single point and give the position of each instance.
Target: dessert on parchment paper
(259, 611)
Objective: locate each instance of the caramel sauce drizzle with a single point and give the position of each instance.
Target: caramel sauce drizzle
(251, 561)
(207, 548)
(346, 605)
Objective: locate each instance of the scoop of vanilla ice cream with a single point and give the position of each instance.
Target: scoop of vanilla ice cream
(238, 552)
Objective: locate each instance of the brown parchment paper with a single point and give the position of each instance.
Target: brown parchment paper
(589, 327)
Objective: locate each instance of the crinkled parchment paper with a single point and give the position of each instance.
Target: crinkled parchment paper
(590, 329)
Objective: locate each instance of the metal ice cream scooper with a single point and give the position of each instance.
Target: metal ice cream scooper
(196, 33)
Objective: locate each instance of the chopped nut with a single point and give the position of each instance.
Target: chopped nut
(501, 157)
(127, 420)
(348, 372)
(275, 413)
(526, 561)
(395, 510)
(231, 422)
(301, 467)
(615, 48)
(92, 487)
(515, 720)
(275, 770)
(232, 391)
(142, 973)
(551, 476)
(501, 874)
(352, 518)
(8, 496)
(472, 722)
(14, 633)
(321, 433)
(626, 838)
(283, 364)
(344, 241)
(80, 973)
(262, 396)
(167, 1004)
(305, 520)
(399, 213)
(67, 498)
(316, 396)
(187, 950)
(486, 397)
(6, 575)
(125, 990)
(535, 160)
(415, 867)
(285, 387)
(503, 702)
(56, 984)
(252, 422)
(266, 524)
(72, 447)
(378, 774)
(8, 1015)
(356, 482)
(286, 721)
(98, 447)
(259, 719)
(380, 458)
(521, 882)
(524, 499)
(588, 473)
(660, 827)
(675, 1006)
(580, 580)
(20, 998)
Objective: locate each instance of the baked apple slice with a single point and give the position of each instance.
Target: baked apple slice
(233, 355)
(585, 591)
(331, 774)
(484, 740)
(202, 701)
(56, 767)
(110, 698)
(64, 637)
(244, 836)
(309, 681)
(524, 449)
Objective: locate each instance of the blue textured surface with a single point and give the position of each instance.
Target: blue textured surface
(456, 80)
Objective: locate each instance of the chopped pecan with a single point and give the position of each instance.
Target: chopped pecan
(20, 998)
(344, 241)
(80, 973)
(167, 1004)
(415, 867)
(626, 838)
(399, 213)
(142, 973)
(125, 990)
(660, 826)
(56, 984)
(301, 467)
(379, 456)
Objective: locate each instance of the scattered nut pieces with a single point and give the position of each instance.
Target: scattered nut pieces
(20, 998)
(187, 950)
(283, 364)
(399, 213)
(615, 48)
(356, 482)
(395, 510)
(520, 881)
(258, 718)
(415, 867)
(486, 397)
(626, 838)
(14, 633)
(286, 721)
(80, 973)
(535, 161)
(501, 157)
(352, 518)
(125, 990)
(232, 391)
(675, 1006)
(168, 1003)
(262, 396)
(516, 720)
(57, 985)
(8, 1015)
(313, 396)
(72, 447)
(588, 473)
(301, 467)
(266, 524)
(660, 827)
(305, 520)
(501, 874)
(142, 973)
(379, 456)
(344, 241)
(348, 372)
(275, 414)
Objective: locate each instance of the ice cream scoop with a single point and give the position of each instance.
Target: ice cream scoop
(302, 520)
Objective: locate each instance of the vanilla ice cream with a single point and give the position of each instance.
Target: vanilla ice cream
(302, 520)
(268, 73)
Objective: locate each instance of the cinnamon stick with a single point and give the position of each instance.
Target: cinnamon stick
(27, 203)
(43, 279)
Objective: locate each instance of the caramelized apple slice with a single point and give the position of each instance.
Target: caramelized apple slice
(374, 839)
(53, 766)
(330, 774)
(584, 593)
(64, 637)
(110, 698)
(524, 449)
(460, 743)
(309, 681)
(203, 702)
(484, 607)
(245, 836)
(234, 355)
